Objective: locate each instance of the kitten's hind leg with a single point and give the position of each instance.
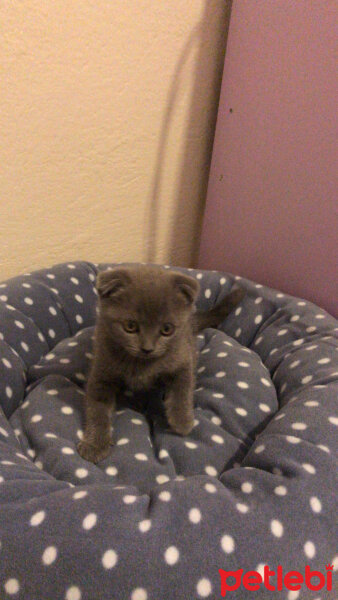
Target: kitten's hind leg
(179, 401)
(100, 403)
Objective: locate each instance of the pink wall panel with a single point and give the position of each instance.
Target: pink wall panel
(271, 212)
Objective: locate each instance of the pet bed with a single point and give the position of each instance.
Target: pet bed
(252, 485)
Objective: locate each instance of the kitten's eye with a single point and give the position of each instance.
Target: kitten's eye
(130, 326)
(167, 329)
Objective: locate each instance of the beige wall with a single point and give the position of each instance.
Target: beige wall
(107, 115)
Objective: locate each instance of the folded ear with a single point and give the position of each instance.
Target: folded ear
(110, 283)
(186, 286)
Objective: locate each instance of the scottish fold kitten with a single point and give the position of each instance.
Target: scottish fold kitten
(145, 336)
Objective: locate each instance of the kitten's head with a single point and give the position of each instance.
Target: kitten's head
(145, 309)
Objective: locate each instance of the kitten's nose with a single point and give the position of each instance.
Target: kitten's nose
(147, 350)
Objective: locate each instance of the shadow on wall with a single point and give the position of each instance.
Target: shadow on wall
(209, 36)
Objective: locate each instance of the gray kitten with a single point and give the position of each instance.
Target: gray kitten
(145, 336)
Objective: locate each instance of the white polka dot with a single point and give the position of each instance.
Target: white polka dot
(137, 421)
(171, 555)
(247, 487)
(311, 403)
(79, 319)
(264, 407)
(109, 559)
(28, 301)
(309, 549)
(3, 432)
(129, 499)
(163, 454)
(81, 473)
(50, 356)
(7, 363)
(67, 450)
(259, 449)
(309, 468)
(52, 392)
(210, 488)
(205, 351)
(260, 569)
(4, 298)
(199, 276)
(222, 280)
(218, 395)
(89, 521)
(323, 361)
(207, 293)
(24, 346)
(80, 494)
(243, 385)
(241, 411)
(258, 341)
(37, 518)
(165, 496)
(210, 470)
(191, 445)
(49, 555)
(315, 504)
(204, 588)
(292, 439)
(195, 515)
(238, 311)
(306, 379)
(139, 594)
(111, 471)
(266, 382)
(67, 410)
(217, 439)
(280, 490)
(294, 364)
(80, 376)
(242, 508)
(333, 420)
(220, 374)
(258, 319)
(140, 456)
(50, 435)
(12, 586)
(122, 442)
(200, 370)
(222, 354)
(313, 347)
(75, 280)
(9, 391)
(227, 544)
(36, 418)
(293, 595)
(216, 420)
(238, 332)
(324, 448)
(73, 593)
(162, 479)
(277, 528)
(243, 364)
(299, 426)
(298, 342)
(145, 525)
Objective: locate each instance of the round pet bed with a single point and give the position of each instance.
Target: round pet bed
(252, 485)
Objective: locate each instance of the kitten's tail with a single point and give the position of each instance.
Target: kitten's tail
(215, 316)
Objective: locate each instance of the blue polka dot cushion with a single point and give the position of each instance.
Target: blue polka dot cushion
(167, 517)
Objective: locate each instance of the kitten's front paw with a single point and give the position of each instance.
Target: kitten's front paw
(91, 453)
(182, 427)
